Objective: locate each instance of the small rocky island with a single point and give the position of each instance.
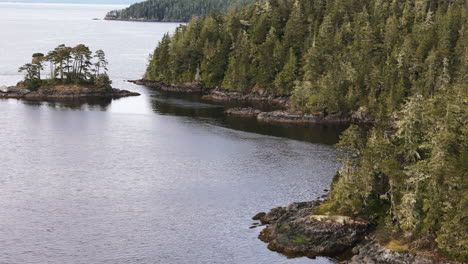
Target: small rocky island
(59, 92)
(74, 73)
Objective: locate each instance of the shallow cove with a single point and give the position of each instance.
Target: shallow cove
(151, 179)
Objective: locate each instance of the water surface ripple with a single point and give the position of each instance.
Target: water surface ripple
(150, 179)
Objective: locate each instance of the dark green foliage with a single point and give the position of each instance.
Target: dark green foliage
(407, 60)
(32, 73)
(411, 173)
(238, 71)
(32, 84)
(103, 81)
(67, 65)
(159, 60)
(348, 53)
(172, 10)
(284, 82)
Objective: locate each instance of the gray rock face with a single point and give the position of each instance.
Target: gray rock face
(294, 231)
(301, 118)
(220, 95)
(243, 112)
(176, 88)
(371, 252)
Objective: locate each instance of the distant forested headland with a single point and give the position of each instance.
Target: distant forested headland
(172, 10)
(113, 2)
(405, 62)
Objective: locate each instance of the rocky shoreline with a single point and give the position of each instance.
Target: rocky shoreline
(243, 112)
(295, 232)
(260, 96)
(224, 96)
(297, 118)
(217, 94)
(175, 88)
(16, 92)
(303, 118)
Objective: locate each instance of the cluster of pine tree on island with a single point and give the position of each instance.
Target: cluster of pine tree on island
(405, 61)
(67, 65)
(172, 10)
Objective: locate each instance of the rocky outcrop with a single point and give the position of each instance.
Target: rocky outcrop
(176, 88)
(243, 112)
(371, 252)
(298, 118)
(224, 96)
(302, 118)
(64, 93)
(362, 116)
(295, 231)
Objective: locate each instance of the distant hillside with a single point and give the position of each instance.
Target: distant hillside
(171, 10)
(113, 2)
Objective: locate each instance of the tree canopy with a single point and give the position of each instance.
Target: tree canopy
(405, 61)
(67, 65)
(345, 54)
(172, 10)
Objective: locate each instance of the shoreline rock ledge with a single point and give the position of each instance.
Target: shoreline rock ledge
(175, 88)
(296, 232)
(299, 118)
(65, 93)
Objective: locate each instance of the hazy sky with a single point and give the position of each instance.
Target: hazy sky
(123, 2)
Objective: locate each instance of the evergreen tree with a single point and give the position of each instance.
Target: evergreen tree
(405, 62)
(237, 75)
(172, 10)
(67, 65)
(266, 62)
(284, 81)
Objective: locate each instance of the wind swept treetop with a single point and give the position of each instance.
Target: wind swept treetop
(172, 10)
(67, 65)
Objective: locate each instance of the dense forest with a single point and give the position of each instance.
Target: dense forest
(172, 10)
(404, 61)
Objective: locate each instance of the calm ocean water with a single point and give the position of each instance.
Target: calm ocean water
(151, 179)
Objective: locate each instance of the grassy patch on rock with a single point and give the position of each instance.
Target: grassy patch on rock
(301, 240)
(324, 209)
(397, 246)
